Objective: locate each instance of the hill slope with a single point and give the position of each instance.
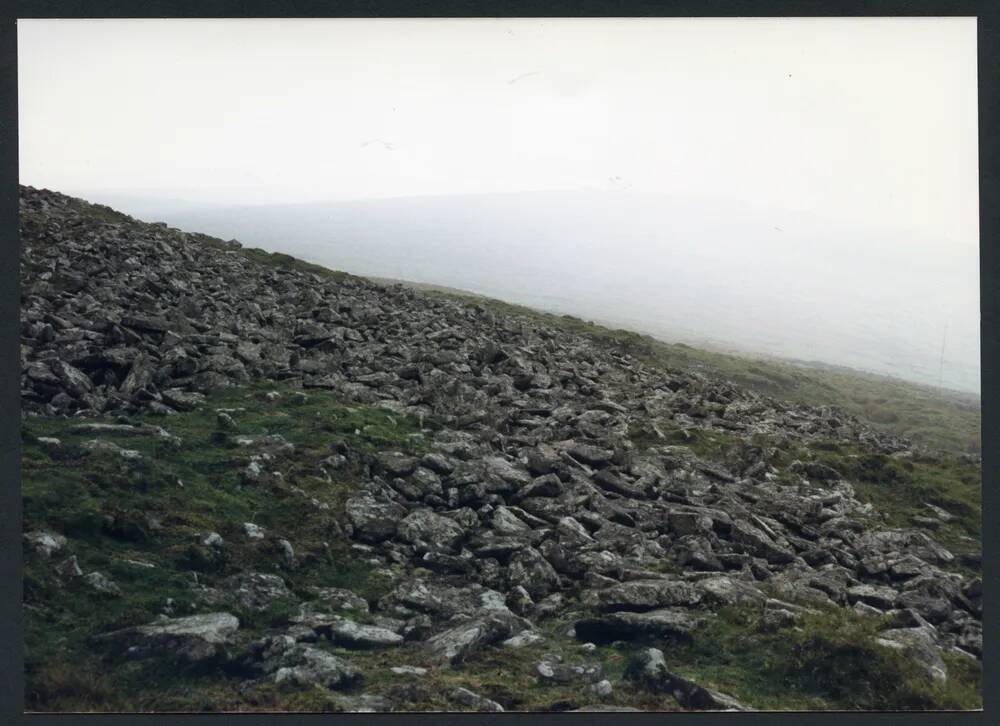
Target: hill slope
(757, 279)
(252, 484)
(936, 418)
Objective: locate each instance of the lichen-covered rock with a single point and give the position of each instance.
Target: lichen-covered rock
(550, 672)
(641, 595)
(441, 601)
(428, 531)
(529, 570)
(373, 521)
(918, 644)
(338, 598)
(45, 543)
(458, 641)
(102, 583)
(883, 598)
(397, 464)
(725, 591)
(253, 531)
(675, 624)
(470, 699)
(349, 634)
(254, 590)
(306, 665)
(193, 638)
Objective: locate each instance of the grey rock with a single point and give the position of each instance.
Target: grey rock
(883, 598)
(337, 598)
(590, 455)
(675, 624)
(397, 464)
(69, 569)
(564, 673)
(306, 665)
(213, 539)
(602, 689)
(440, 600)
(255, 590)
(407, 670)
(287, 553)
(350, 634)
(640, 595)
(465, 697)
(102, 583)
(457, 642)
(373, 521)
(193, 638)
(529, 570)
(647, 668)
(253, 531)
(918, 644)
(45, 543)
(428, 531)
(523, 639)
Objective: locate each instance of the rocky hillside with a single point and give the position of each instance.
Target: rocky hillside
(251, 483)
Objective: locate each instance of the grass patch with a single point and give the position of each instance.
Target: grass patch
(899, 489)
(121, 514)
(827, 661)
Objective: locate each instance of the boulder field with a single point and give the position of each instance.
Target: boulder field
(565, 497)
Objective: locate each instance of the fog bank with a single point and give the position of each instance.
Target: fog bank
(699, 271)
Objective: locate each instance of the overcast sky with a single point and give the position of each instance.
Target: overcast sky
(872, 120)
(869, 122)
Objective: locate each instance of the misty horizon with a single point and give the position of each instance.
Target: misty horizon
(605, 264)
(796, 187)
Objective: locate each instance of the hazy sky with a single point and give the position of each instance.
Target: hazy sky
(871, 123)
(871, 120)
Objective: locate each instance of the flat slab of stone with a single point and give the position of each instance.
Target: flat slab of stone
(194, 638)
(675, 624)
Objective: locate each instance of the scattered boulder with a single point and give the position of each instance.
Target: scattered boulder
(457, 642)
(532, 572)
(647, 668)
(469, 699)
(45, 543)
(102, 583)
(428, 531)
(373, 521)
(550, 672)
(193, 638)
(640, 595)
(350, 634)
(918, 644)
(255, 590)
(306, 665)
